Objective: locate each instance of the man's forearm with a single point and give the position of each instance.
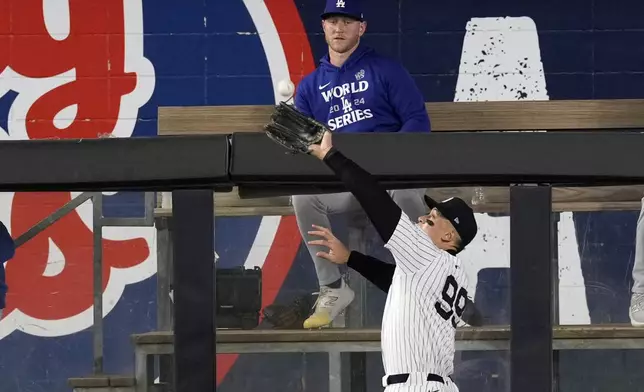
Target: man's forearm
(383, 212)
(374, 270)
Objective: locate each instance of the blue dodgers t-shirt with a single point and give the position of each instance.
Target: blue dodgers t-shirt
(368, 93)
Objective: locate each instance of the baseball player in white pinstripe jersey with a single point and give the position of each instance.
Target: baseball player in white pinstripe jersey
(428, 295)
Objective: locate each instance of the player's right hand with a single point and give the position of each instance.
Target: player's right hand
(337, 253)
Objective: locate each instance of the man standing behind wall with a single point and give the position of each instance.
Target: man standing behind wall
(353, 90)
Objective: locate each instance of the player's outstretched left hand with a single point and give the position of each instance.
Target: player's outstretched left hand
(337, 253)
(320, 150)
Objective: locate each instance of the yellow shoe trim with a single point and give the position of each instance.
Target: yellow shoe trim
(317, 321)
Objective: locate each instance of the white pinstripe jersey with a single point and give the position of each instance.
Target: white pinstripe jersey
(424, 304)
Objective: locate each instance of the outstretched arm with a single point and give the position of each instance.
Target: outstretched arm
(383, 212)
(374, 270)
(396, 229)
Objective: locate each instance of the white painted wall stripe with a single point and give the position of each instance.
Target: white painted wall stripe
(501, 61)
(271, 42)
(279, 70)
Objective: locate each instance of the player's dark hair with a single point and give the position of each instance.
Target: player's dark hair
(458, 244)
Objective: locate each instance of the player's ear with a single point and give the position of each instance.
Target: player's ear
(363, 27)
(451, 238)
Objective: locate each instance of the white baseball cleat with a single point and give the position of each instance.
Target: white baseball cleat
(636, 311)
(330, 303)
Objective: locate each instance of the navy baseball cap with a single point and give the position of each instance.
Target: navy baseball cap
(350, 8)
(459, 214)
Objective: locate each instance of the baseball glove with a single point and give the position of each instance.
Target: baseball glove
(294, 130)
(290, 316)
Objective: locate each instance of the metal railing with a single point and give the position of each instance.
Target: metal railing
(99, 221)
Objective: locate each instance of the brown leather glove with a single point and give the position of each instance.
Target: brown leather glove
(290, 316)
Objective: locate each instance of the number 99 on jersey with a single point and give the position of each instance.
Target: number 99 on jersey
(453, 301)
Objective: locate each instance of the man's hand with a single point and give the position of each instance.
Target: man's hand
(338, 253)
(320, 150)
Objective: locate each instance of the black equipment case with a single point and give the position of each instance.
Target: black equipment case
(239, 297)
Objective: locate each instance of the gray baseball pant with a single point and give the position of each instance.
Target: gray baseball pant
(315, 209)
(638, 267)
